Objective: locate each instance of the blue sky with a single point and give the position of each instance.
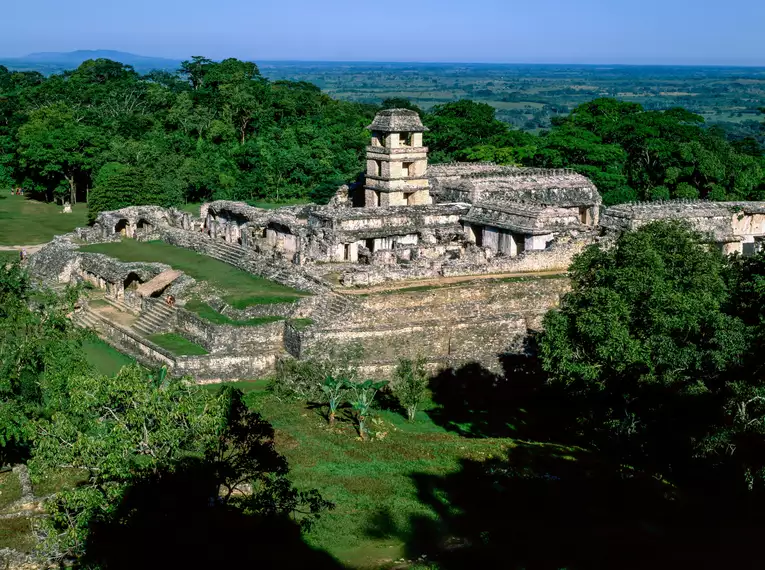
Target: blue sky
(513, 31)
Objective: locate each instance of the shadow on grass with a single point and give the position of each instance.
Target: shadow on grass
(169, 521)
(546, 507)
(476, 402)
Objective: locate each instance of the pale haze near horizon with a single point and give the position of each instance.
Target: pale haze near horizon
(493, 31)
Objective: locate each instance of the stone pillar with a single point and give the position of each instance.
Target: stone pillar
(419, 198)
(338, 252)
(491, 238)
(371, 199)
(538, 242)
(353, 252)
(507, 244)
(469, 232)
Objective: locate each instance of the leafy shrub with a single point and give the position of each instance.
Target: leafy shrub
(410, 384)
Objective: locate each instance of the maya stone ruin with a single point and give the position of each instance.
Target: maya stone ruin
(457, 262)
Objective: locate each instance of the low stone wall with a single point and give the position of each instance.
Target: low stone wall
(204, 368)
(229, 338)
(145, 351)
(469, 340)
(471, 321)
(265, 310)
(212, 368)
(484, 299)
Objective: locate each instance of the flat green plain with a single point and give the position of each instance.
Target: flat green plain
(28, 222)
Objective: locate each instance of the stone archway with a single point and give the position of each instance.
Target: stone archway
(132, 281)
(121, 227)
(144, 226)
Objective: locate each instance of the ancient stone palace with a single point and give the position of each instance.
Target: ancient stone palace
(455, 262)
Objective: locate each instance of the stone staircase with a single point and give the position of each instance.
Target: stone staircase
(86, 319)
(331, 309)
(226, 252)
(159, 317)
(120, 306)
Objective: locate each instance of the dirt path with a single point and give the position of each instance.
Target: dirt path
(438, 282)
(30, 248)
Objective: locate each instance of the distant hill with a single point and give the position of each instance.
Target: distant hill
(54, 62)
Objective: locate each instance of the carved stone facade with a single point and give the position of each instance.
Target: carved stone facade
(397, 161)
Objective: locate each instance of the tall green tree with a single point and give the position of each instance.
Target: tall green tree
(644, 342)
(59, 150)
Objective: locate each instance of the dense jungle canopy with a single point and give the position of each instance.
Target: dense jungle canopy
(220, 130)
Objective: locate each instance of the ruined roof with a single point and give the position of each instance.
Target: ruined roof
(559, 187)
(363, 223)
(158, 283)
(397, 120)
(244, 213)
(114, 270)
(520, 217)
(713, 219)
(680, 209)
(460, 169)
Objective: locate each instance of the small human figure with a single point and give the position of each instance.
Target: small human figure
(170, 300)
(22, 254)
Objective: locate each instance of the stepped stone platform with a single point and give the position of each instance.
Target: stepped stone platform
(409, 226)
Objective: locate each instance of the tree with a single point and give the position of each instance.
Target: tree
(130, 435)
(58, 148)
(119, 185)
(361, 399)
(335, 390)
(460, 125)
(643, 341)
(39, 350)
(410, 384)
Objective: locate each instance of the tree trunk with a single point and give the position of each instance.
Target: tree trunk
(363, 428)
(331, 417)
(72, 190)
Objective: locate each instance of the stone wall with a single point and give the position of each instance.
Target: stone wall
(230, 339)
(557, 257)
(205, 368)
(270, 268)
(477, 320)
(220, 367)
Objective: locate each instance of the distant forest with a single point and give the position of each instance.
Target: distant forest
(105, 134)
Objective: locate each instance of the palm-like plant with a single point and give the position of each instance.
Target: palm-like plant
(363, 394)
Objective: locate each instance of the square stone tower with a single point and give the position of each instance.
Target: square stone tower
(396, 161)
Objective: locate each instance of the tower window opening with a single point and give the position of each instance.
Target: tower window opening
(407, 168)
(406, 139)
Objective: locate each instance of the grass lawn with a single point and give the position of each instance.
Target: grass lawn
(28, 222)
(241, 289)
(58, 481)
(17, 533)
(209, 314)
(368, 480)
(105, 358)
(10, 489)
(273, 205)
(302, 323)
(177, 344)
(8, 256)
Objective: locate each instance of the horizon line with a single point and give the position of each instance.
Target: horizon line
(405, 62)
